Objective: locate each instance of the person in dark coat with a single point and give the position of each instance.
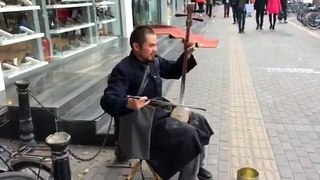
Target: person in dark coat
(260, 6)
(175, 145)
(241, 12)
(283, 15)
(226, 8)
(209, 4)
(234, 10)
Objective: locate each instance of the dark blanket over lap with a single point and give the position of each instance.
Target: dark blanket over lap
(174, 144)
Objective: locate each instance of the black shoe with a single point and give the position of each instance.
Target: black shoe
(273, 27)
(260, 26)
(204, 174)
(257, 27)
(270, 26)
(119, 156)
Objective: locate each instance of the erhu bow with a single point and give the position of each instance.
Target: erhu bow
(182, 112)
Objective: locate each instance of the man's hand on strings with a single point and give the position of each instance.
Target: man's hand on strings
(137, 104)
(190, 49)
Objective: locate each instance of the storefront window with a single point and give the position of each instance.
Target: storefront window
(145, 12)
(20, 39)
(37, 32)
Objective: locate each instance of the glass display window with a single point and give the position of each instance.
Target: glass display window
(146, 12)
(108, 20)
(20, 37)
(69, 27)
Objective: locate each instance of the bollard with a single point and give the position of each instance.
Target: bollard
(58, 143)
(247, 173)
(25, 119)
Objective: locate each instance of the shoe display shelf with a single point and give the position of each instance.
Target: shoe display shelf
(68, 26)
(107, 20)
(15, 58)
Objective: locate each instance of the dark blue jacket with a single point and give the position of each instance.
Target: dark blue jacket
(126, 77)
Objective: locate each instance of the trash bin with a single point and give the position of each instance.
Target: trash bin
(247, 173)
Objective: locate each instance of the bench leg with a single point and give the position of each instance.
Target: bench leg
(134, 170)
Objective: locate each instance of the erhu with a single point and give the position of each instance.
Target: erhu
(182, 112)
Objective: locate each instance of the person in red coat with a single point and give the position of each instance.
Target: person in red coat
(201, 6)
(273, 9)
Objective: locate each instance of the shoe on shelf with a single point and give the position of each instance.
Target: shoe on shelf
(75, 43)
(204, 174)
(69, 22)
(2, 4)
(25, 2)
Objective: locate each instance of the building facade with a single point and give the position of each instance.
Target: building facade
(52, 31)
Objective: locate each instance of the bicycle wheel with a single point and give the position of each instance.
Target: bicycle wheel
(35, 169)
(15, 176)
(314, 20)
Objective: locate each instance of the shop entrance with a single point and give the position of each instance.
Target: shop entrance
(146, 12)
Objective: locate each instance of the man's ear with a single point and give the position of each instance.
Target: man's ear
(135, 46)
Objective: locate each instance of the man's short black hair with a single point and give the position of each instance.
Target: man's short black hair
(138, 35)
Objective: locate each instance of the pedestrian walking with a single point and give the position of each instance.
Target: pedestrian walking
(273, 9)
(260, 6)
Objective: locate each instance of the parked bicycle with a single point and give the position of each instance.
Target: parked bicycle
(313, 18)
(307, 14)
(28, 163)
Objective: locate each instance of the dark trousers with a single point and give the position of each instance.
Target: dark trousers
(234, 13)
(226, 9)
(282, 15)
(259, 18)
(285, 14)
(272, 20)
(241, 19)
(209, 10)
(201, 7)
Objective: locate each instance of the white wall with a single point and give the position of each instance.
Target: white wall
(126, 15)
(2, 85)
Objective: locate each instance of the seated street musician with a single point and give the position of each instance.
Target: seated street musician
(172, 146)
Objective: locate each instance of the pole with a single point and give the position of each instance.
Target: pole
(25, 119)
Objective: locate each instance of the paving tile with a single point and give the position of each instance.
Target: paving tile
(299, 176)
(305, 162)
(285, 171)
(311, 174)
(295, 167)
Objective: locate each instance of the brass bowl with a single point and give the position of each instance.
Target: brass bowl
(247, 173)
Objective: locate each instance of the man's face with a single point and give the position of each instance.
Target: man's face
(148, 50)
